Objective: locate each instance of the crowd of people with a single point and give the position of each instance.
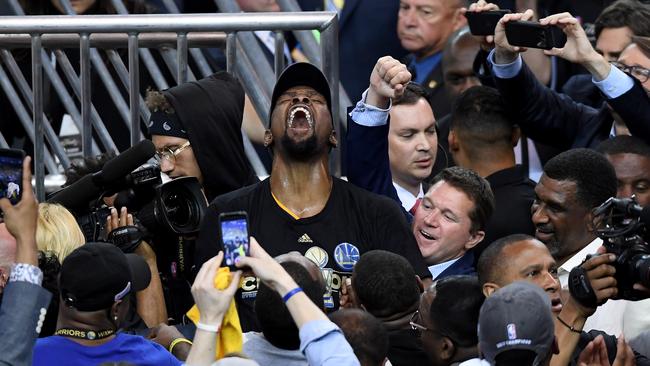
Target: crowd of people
(493, 211)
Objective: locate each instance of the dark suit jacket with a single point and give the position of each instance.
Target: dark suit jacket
(556, 120)
(463, 266)
(367, 31)
(367, 158)
(23, 304)
(434, 84)
(514, 193)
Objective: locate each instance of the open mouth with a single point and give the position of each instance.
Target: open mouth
(427, 235)
(556, 305)
(543, 234)
(300, 118)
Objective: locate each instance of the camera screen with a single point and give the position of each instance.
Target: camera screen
(235, 239)
(11, 176)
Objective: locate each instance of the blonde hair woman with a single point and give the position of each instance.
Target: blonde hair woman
(57, 230)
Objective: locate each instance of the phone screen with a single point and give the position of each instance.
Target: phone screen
(11, 177)
(234, 234)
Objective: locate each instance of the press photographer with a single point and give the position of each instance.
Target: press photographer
(131, 208)
(622, 225)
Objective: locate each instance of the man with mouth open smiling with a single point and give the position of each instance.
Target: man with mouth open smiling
(574, 182)
(453, 214)
(521, 257)
(301, 207)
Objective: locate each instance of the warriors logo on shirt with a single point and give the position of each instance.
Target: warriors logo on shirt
(346, 256)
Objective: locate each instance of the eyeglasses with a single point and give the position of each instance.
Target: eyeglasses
(170, 154)
(419, 328)
(415, 326)
(641, 73)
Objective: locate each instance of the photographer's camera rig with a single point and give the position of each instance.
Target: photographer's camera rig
(623, 226)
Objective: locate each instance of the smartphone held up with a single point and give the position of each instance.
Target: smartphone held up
(234, 236)
(483, 23)
(534, 35)
(11, 174)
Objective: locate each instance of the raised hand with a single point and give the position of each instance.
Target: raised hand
(21, 219)
(504, 52)
(388, 80)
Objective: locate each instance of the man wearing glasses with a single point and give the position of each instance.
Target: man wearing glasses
(554, 119)
(446, 321)
(196, 128)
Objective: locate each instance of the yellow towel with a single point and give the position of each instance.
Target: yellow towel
(229, 339)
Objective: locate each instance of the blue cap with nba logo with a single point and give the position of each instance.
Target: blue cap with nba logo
(516, 317)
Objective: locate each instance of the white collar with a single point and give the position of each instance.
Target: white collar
(437, 269)
(407, 198)
(575, 261)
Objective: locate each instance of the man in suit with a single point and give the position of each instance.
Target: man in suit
(412, 142)
(24, 301)
(423, 27)
(463, 197)
(554, 119)
(614, 29)
(482, 139)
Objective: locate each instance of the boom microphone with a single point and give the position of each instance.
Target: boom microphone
(88, 188)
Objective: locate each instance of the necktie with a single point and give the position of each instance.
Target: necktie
(415, 206)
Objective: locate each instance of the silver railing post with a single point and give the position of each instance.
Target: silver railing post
(199, 58)
(113, 31)
(37, 89)
(181, 57)
(231, 52)
(312, 50)
(147, 57)
(86, 130)
(134, 88)
(279, 53)
(28, 95)
(330, 56)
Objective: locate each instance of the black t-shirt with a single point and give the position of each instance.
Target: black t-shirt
(352, 222)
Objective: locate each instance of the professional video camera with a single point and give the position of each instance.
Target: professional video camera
(174, 207)
(624, 227)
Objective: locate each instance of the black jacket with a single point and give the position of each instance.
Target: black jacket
(557, 120)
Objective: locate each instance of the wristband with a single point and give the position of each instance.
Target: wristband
(289, 294)
(581, 289)
(208, 327)
(177, 341)
(570, 327)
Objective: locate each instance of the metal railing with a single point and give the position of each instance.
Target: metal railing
(183, 32)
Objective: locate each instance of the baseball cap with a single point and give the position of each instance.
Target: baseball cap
(96, 275)
(301, 74)
(517, 316)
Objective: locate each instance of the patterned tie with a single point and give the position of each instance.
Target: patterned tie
(415, 206)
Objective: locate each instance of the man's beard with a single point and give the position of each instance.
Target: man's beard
(555, 248)
(302, 150)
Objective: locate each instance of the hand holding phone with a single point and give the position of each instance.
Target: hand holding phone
(534, 35)
(11, 174)
(21, 218)
(234, 236)
(578, 48)
(483, 23)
